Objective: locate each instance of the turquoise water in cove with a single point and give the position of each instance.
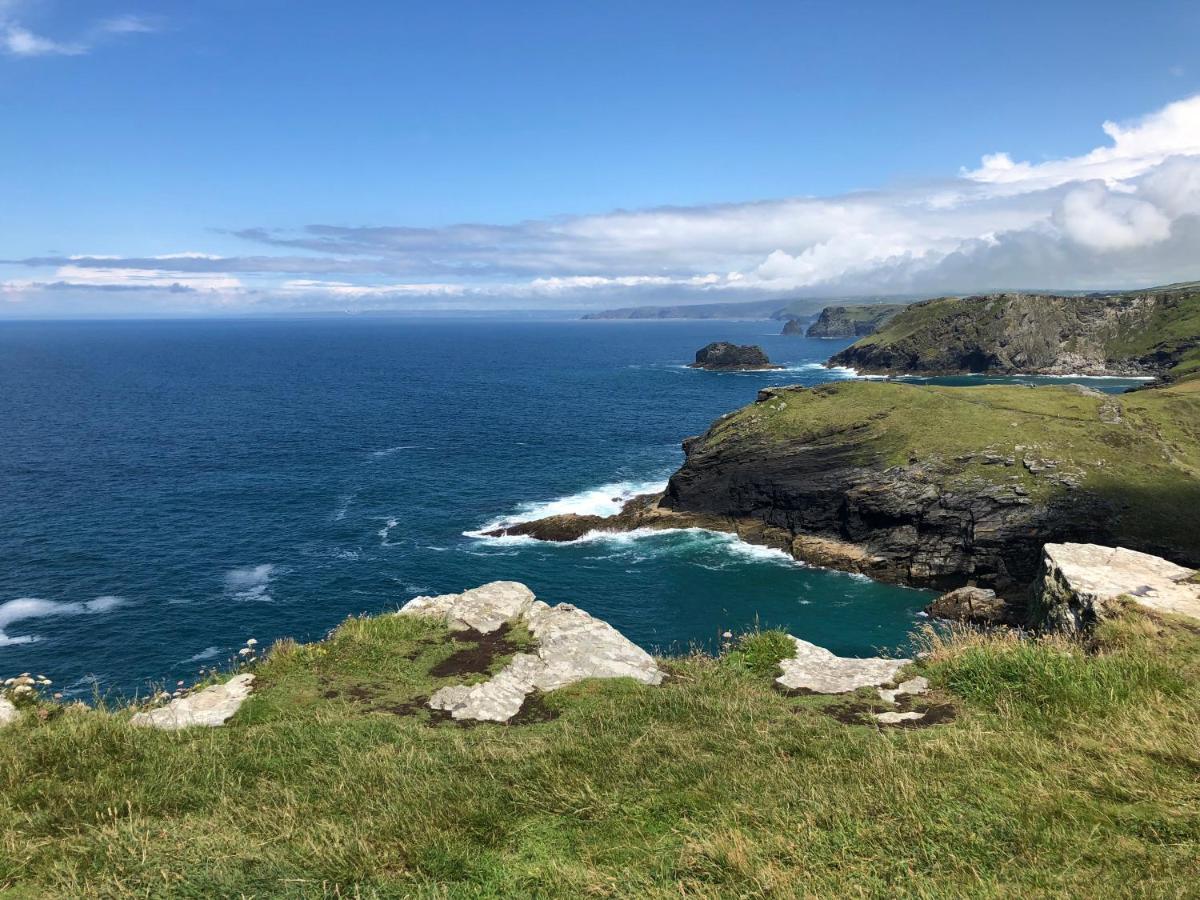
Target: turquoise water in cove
(170, 489)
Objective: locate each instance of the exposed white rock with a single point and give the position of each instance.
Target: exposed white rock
(895, 718)
(816, 669)
(210, 707)
(484, 608)
(1079, 584)
(572, 646)
(8, 712)
(912, 687)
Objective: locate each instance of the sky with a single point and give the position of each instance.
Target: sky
(233, 157)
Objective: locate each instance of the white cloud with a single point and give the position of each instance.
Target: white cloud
(16, 39)
(19, 41)
(1135, 149)
(1122, 214)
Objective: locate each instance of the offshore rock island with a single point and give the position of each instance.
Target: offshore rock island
(722, 356)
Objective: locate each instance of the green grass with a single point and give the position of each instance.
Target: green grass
(1065, 773)
(1147, 463)
(926, 329)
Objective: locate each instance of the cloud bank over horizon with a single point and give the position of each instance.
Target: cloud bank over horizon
(1124, 214)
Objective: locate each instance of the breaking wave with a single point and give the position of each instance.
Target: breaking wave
(36, 608)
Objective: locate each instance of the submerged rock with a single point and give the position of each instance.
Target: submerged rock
(723, 356)
(815, 669)
(210, 707)
(1080, 584)
(572, 646)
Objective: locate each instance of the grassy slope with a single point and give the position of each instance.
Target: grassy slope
(1149, 460)
(1064, 773)
(1166, 327)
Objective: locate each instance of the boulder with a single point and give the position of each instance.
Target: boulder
(974, 606)
(210, 707)
(815, 669)
(8, 712)
(483, 609)
(1080, 584)
(571, 646)
(723, 356)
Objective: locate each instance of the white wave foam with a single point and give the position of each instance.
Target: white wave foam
(388, 451)
(206, 653)
(250, 582)
(605, 500)
(385, 531)
(37, 608)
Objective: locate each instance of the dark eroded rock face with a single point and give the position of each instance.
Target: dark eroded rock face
(853, 321)
(723, 356)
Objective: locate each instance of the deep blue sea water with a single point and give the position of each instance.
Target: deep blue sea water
(170, 489)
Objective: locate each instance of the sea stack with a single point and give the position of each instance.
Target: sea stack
(793, 328)
(721, 356)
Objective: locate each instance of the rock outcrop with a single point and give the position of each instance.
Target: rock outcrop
(974, 606)
(815, 669)
(853, 321)
(793, 328)
(721, 356)
(1138, 333)
(571, 646)
(1080, 584)
(210, 707)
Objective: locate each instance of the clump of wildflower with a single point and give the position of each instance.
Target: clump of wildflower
(25, 689)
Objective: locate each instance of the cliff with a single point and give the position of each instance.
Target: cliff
(940, 485)
(936, 486)
(853, 321)
(1154, 333)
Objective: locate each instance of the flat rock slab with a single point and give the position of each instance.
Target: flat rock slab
(1080, 583)
(815, 669)
(895, 718)
(572, 646)
(912, 688)
(210, 707)
(8, 712)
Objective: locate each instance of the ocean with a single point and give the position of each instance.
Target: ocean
(169, 489)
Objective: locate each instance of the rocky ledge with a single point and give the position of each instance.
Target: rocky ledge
(571, 646)
(721, 356)
(1078, 585)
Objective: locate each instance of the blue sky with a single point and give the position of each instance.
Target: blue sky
(301, 155)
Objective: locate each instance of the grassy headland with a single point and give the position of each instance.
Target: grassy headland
(1061, 770)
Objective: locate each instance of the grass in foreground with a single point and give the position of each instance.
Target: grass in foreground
(1065, 772)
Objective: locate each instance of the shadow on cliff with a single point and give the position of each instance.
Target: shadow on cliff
(1163, 519)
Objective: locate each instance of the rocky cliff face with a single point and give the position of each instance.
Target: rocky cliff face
(936, 486)
(853, 321)
(1149, 333)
